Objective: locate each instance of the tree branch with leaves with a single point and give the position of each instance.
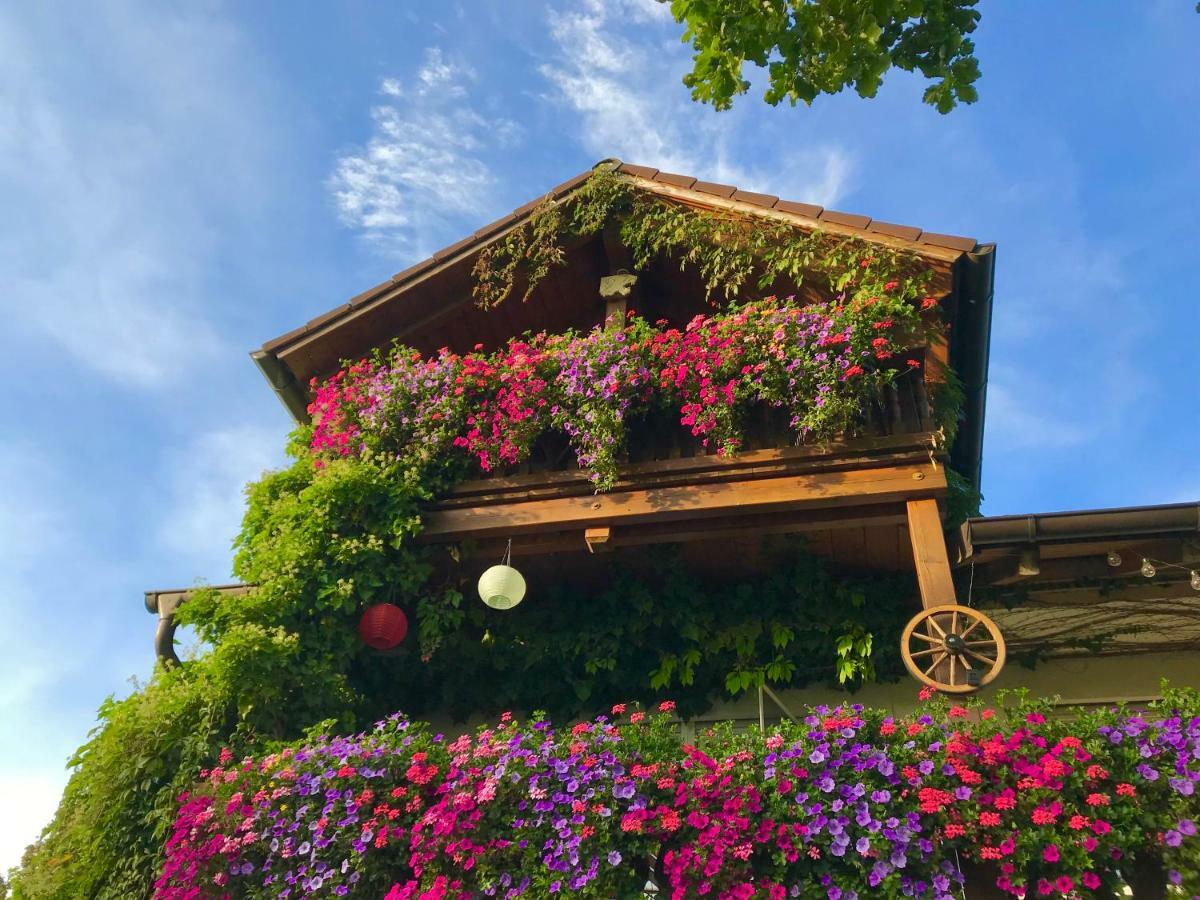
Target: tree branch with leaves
(814, 47)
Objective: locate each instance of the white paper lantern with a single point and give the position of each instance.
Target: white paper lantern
(501, 587)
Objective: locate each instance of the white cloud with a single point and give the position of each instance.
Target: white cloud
(437, 73)
(205, 501)
(624, 86)
(423, 166)
(107, 238)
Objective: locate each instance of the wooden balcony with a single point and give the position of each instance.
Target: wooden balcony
(674, 490)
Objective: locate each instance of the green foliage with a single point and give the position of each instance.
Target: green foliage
(527, 254)
(819, 47)
(321, 543)
(658, 627)
(106, 838)
(962, 500)
(728, 251)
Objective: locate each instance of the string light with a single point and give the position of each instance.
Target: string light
(1150, 568)
(1114, 559)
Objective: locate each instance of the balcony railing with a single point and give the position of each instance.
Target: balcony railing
(903, 408)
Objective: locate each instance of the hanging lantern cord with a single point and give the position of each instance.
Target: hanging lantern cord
(507, 560)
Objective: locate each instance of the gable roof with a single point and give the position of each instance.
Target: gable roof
(416, 301)
(943, 247)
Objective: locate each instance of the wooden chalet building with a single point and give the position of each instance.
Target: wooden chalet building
(1066, 590)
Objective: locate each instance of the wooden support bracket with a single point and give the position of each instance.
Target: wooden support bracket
(599, 540)
(620, 287)
(929, 553)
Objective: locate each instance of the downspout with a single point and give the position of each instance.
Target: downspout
(289, 391)
(165, 604)
(969, 356)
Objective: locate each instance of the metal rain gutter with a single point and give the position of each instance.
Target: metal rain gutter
(289, 391)
(1087, 525)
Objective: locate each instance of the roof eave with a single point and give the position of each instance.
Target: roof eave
(946, 249)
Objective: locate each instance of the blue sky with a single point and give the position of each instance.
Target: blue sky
(179, 186)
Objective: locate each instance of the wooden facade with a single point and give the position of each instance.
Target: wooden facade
(873, 500)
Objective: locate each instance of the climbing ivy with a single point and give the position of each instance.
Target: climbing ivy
(323, 539)
(728, 250)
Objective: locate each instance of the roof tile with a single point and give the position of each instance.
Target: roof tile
(766, 200)
(454, 248)
(492, 227)
(799, 209)
(570, 184)
(529, 207)
(907, 232)
(414, 270)
(359, 299)
(841, 218)
(278, 342)
(684, 181)
(954, 242)
(711, 187)
(325, 317)
(637, 171)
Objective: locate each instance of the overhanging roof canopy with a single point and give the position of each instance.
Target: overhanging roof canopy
(431, 305)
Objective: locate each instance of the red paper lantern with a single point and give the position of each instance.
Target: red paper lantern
(383, 626)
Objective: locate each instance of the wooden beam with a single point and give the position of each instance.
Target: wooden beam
(854, 487)
(861, 454)
(929, 553)
(598, 540)
(714, 529)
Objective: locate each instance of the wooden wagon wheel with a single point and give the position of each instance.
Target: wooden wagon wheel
(955, 649)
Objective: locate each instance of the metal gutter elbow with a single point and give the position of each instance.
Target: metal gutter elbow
(165, 603)
(289, 391)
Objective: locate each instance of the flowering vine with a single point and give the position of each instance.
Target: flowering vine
(821, 362)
